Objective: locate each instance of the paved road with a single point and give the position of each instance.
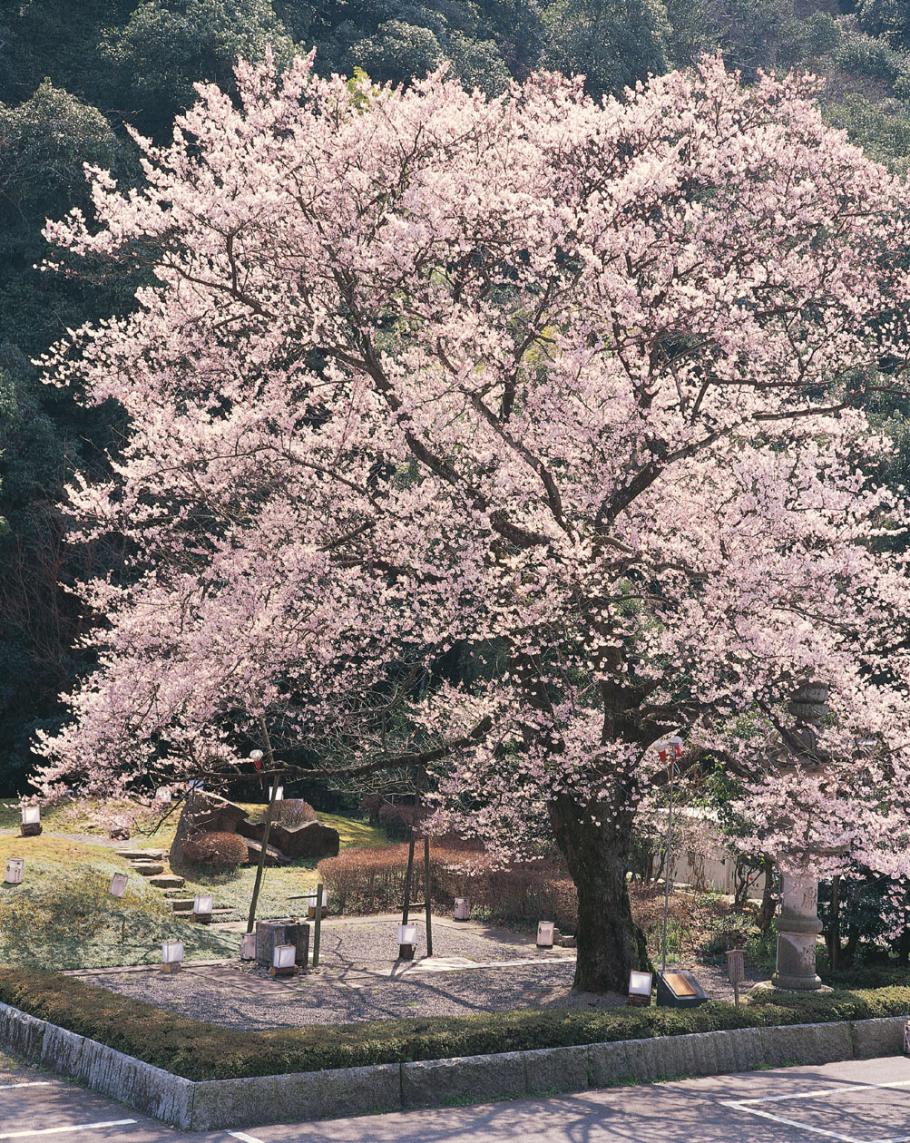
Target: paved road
(855, 1102)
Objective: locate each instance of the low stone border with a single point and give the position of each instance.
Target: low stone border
(209, 1105)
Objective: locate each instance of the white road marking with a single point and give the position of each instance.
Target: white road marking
(748, 1106)
(31, 1083)
(63, 1130)
(244, 1138)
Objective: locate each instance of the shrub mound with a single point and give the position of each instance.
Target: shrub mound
(219, 851)
(201, 1051)
(293, 812)
(372, 881)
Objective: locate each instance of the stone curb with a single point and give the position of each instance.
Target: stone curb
(210, 1105)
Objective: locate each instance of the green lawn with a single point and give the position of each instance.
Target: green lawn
(62, 915)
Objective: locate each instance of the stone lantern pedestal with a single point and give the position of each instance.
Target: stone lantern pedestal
(798, 930)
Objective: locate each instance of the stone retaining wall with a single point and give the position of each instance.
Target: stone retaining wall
(225, 1104)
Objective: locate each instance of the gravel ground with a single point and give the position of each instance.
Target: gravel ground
(358, 979)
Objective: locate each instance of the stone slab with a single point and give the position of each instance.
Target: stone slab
(556, 1070)
(465, 1079)
(221, 1104)
(148, 868)
(807, 1044)
(881, 1037)
(167, 881)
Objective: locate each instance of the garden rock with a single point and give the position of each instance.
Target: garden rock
(313, 839)
(204, 813)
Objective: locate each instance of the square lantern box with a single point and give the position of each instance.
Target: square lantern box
(278, 795)
(640, 986)
(31, 821)
(462, 909)
(311, 909)
(202, 908)
(171, 956)
(118, 884)
(164, 794)
(284, 960)
(407, 939)
(679, 989)
(546, 934)
(248, 946)
(15, 871)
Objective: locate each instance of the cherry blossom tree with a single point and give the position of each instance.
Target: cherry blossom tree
(577, 388)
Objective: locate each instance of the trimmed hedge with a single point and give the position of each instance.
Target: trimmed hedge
(201, 1051)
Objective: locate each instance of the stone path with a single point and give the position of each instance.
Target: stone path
(153, 865)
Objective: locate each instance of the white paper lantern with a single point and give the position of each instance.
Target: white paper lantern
(407, 934)
(172, 952)
(462, 909)
(31, 815)
(640, 984)
(118, 884)
(284, 957)
(203, 905)
(164, 794)
(545, 934)
(248, 946)
(15, 870)
(279, 793)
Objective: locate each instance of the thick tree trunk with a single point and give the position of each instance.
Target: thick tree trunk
(609, 942)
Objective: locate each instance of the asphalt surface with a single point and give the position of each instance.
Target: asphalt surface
(855, 1102)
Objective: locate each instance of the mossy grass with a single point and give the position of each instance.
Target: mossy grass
(200, 1051)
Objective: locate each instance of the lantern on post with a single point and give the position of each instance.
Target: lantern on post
(15, 870)
(118, 884)
(202, 908)
(284, 960)
(407, 939)
(171, 956)
(31, 820)
(545, 934)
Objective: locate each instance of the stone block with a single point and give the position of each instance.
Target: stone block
(302, 1096)
(21, 1033)
(312, 839)
(556, 1070)
(283, 932)
(608, 1064)
(807, 1044)
(881, 1037)
(61, 1050)
(468, 1079)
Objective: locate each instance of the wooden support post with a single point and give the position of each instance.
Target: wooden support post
(407, 880)
(428, 895)
(318, 930)
(260, 867)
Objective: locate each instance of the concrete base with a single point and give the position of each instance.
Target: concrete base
(213, 1105)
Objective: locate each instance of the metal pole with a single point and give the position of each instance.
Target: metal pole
(317, 931)
(407, 878)
(427, 903)
(667, 867)
(260, 867)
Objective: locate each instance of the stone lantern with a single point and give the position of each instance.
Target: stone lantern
(799, 926)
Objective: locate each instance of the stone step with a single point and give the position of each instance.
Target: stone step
(181, 904)
(148, 868)
(141, 854)
(167, 881)
(176, 891)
